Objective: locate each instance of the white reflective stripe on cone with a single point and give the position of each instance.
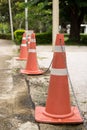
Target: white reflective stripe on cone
(59, 72)
(29, 37)
(24, 45)
(59, 48)
(31, 50)
(29, 42)
(33, 40)
(24, 38)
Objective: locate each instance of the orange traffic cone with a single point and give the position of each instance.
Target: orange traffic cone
(32, 64)
(58, 109)
(29, 40)
(23, 49)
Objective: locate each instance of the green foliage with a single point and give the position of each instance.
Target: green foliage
(4, 28)
(18, 36)
(5, 36)
(40, 15)
(67, 7)
(73, 13)
(4, 11)
(44, 38)
(41, 38)
(83, 40)
(40, 19)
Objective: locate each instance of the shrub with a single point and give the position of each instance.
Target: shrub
(83, 40)
(44, 38)
(5, 36)
(41, 38)
(18, 36)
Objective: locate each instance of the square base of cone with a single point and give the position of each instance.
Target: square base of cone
(74, 119)
(31, 72)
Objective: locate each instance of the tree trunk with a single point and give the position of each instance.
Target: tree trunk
(75, 27)
(76, 20)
